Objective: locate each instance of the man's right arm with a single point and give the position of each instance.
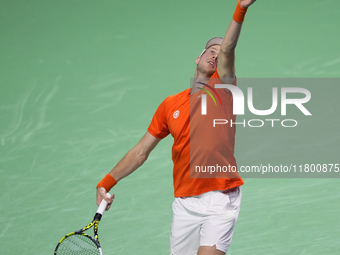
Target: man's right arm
(129, 163)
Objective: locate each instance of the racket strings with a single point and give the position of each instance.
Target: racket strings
(78, 245)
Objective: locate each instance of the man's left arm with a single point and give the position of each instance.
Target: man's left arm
(226, 56)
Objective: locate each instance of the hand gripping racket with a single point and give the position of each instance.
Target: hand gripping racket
(79, 243)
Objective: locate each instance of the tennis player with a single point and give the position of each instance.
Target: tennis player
(205, 210)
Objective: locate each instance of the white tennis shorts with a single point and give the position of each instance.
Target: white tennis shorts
(204, 220)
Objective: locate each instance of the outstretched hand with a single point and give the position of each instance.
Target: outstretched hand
(246, 3)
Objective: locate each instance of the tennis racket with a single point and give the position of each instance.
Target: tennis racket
(79, 243)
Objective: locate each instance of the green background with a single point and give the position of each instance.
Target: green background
(79, 83)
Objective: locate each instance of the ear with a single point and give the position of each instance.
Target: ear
(197, 60)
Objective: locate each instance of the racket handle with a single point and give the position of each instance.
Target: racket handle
(103, 205)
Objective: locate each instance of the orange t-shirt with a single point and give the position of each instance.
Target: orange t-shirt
(173, 117)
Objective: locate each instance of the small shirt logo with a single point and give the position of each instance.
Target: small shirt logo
(176, 114)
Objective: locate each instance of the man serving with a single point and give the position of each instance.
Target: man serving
(205, 210)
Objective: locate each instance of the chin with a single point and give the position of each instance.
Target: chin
(207, 71)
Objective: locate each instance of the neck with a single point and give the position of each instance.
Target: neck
(199, 78)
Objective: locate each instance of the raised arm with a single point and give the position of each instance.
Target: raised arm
(127, 165)
(226, 56)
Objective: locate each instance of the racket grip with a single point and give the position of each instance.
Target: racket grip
(103, 205)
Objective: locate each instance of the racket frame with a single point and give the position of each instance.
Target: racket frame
(94, 223)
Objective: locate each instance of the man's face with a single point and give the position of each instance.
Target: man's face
(207, 63)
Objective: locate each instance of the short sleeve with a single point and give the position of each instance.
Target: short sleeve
(159, 124)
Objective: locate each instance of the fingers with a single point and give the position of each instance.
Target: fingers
(101, 194)
(109, 201)
(246, 3)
